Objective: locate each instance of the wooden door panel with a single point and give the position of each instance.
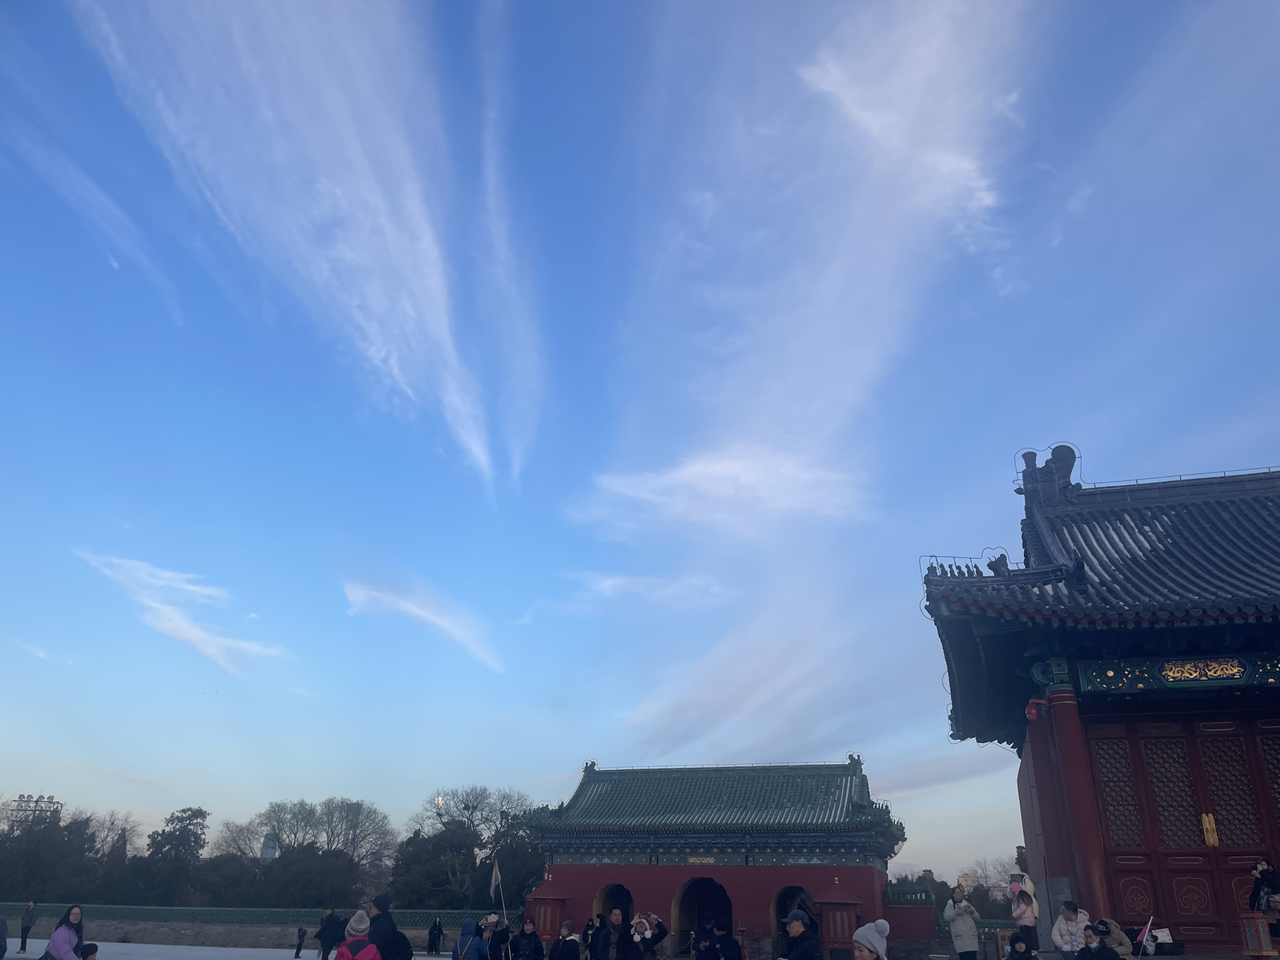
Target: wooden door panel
(1115, 776)
(1226, 772)
(1191, 896)
(1173, 794)
(1135, 895)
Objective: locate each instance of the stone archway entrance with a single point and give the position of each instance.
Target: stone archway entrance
(788, 899)
(615, 895)
(699, 896)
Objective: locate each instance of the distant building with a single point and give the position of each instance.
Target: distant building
(270, 847)
(1133, 660)
(745, 843)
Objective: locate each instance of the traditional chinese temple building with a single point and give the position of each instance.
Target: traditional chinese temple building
(746, 843)
(1133, 660)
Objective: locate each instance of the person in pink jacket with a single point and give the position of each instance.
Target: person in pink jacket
(68, 935)
(357, 945)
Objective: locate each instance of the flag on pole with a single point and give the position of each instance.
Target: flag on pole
(1142, 940)
(496, 881)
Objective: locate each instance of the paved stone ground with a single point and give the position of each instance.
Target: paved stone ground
(160, 951)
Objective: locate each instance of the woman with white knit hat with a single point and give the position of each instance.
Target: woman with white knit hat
(357, 945)
(869, 941)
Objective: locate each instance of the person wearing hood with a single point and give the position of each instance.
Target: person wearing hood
(802, 942)
(471, 945)
(68, 935)
(870, 941)
(613, 940)
(434, 935)
(1019, 949)
(567, 946)
(648, 931)
(26, 923)
(527, 945)
(1068, 930)
(357, 945)
(963, 918)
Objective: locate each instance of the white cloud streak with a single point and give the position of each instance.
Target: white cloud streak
(311, 133)
(679, 593)
(734, 489)
(429, 608)
(506, 300)
(101, 215)
(836, 160)
(163, 594)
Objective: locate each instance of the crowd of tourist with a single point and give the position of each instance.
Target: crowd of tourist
(373, 935)
(1075, 935)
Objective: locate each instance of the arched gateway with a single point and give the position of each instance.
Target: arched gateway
(736, 842)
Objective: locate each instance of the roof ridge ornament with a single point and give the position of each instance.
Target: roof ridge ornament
(1050, 484)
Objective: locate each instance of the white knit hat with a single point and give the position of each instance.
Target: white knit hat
(872, 936)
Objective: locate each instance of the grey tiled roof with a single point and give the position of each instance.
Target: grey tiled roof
(1206, 547)
(743, 799)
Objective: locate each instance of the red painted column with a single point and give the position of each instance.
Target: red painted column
(1082, 806)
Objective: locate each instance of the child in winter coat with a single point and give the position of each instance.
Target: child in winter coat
(357, 945)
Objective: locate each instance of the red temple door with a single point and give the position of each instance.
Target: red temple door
(1187, 810)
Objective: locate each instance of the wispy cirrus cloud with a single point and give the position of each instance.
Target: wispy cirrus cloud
(95, 207)
(828, 167)
(506, 297)
(678, 593)
(736, 489)
(164, 595)
(430, 608)
(312, 134)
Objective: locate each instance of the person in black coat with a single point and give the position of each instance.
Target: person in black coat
(727, 946)
(1094, 948)
(333, 930)
(434, 935)
(26, 923)
(613, 940)
(802, 942)
(527, 945)
(566, 946)
(704, 939)
(497, 934)
(382, 927)
(302, 937)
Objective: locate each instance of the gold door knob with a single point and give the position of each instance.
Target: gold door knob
(1210, 829)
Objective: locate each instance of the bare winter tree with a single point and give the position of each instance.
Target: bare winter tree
(243, 840)
(117, 831)
(481, 809)
(993, 872)
(294, 823)
(357, 827)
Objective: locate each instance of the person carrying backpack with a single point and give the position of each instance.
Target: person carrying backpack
(358, 946)
(391, 942)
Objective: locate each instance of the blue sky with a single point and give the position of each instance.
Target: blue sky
(405, 396)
